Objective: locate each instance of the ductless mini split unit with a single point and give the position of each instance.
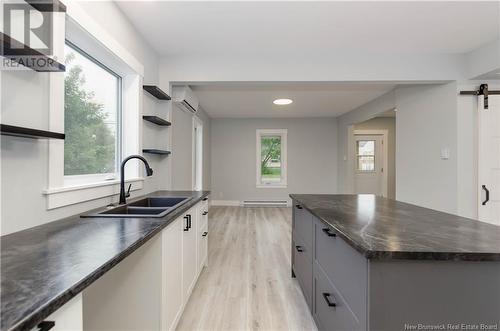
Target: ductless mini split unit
(184, 98)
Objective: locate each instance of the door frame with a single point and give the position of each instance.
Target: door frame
(197, 154)
(385, 153)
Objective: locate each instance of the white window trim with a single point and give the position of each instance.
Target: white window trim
(278, 132)
(58, 192)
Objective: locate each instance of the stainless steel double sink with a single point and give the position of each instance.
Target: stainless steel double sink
(156, 207)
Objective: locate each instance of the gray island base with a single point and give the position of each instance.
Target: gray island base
(370, 263)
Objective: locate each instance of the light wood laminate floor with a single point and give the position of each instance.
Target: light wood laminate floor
(247, 285)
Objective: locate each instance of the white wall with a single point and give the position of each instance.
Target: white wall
(429, 117)
(311, 153)
(427, 122)
(389, 124)
(24, 162)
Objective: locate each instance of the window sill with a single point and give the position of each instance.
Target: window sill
(271, 185)
(70, 195)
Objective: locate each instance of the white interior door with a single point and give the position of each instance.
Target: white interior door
(369, 164)
(489, 160)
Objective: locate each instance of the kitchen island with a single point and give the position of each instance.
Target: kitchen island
(370, 263)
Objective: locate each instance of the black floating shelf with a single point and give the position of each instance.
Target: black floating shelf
(47, 5)
(156, 92)
(17, 131)
(156, 120)
(156, 151)
(27, 56)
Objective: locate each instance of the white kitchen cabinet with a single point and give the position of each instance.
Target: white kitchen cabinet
(189, 252)
(172, 300)
(163, 271)
(183, 246)
(67, 318)
(202, 233)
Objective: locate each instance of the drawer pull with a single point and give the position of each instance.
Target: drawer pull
(205, 199)
(46, 325)
(328, 233)
(204, 213)
(204, 234)
(327, 299)
(298, 206)
(299, 249)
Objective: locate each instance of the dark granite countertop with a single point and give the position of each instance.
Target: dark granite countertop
(385, 229)
(44, 267)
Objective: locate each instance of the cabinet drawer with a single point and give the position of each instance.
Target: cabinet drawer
(303, 268)
(303, 226)
(202, 248)
(330, 311)
(203, 219)
(204, 204)
(343, 265)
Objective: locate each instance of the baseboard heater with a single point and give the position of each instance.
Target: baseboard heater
(265, 203)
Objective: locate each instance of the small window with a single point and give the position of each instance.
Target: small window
(92, 113)
(271, 158)
(365, 150)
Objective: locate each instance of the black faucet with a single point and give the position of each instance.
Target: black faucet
(149, 172)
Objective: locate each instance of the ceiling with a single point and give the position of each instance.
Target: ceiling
(182, 28)
(250, 100)
(493, 75)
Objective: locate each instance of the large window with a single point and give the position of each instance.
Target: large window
(92, 113)
(271, 158)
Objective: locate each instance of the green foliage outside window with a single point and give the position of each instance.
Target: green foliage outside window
(89, 147)
(270, 157)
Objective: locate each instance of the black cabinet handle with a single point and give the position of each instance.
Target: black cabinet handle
(327, 299)
(204, 234)
(46, 325)
(328, 233)
(205, 199)
(487, 195)
(299, 249)
(204, 213)
(298, 206)
(187, 223)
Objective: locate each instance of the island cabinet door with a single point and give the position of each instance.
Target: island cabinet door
(331, 312)
(303, 226)
(303, 268)
(343, 266)
(172, 300)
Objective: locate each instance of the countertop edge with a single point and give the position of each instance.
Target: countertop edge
(31, 320)
(404, 255)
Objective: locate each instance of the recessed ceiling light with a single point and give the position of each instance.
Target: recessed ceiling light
(282, 102)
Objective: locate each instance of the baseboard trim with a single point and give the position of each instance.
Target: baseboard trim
(234, 203)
